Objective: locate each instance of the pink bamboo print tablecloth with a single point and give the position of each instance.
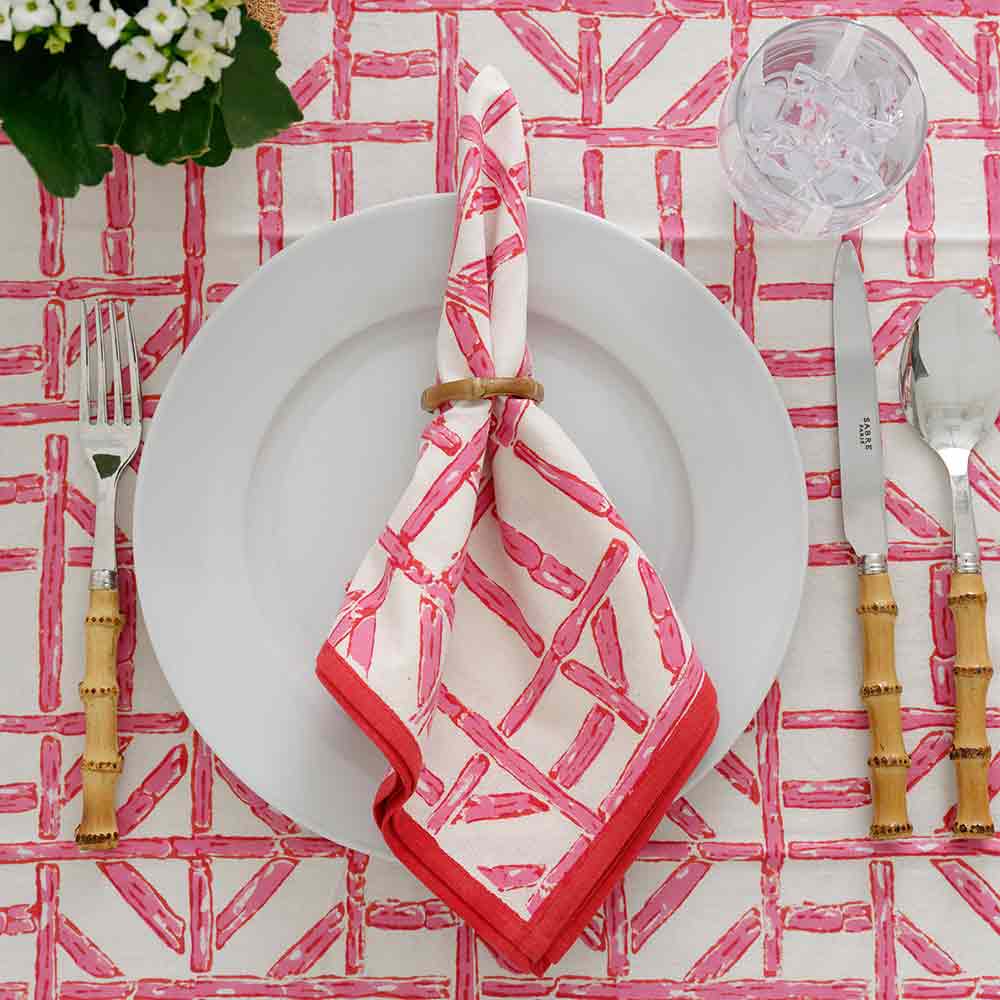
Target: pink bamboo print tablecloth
(757, 883)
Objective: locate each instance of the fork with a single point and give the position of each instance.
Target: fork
(110, 446)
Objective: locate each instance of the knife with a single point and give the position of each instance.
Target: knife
(862, 486)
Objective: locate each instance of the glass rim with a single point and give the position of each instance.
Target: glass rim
(904, 60)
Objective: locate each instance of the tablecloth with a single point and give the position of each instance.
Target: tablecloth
(760, 882)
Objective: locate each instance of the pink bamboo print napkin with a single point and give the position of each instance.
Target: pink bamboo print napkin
(505, 642)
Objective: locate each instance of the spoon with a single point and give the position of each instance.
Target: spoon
(949, 381)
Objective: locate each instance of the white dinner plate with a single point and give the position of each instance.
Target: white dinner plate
(291, 425)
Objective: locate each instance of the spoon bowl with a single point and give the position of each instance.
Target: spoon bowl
(950, 375)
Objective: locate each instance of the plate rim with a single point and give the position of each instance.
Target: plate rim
(750, 356)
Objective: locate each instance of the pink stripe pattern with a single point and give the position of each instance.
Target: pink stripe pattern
(594, 732)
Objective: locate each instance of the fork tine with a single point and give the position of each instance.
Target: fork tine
(135, 386)
(102, 377)
(84, 366)
(116, 366)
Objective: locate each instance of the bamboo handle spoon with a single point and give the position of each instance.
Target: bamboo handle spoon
(950, 391)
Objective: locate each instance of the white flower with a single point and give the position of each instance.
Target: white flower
(190, 6)
(208, 62)
(74, 12)
(107, 23)
(202, 30)
(139, 59)
(231, 27)
(161, 19)
(28, 14)
(184, 78)
(6, 28)
(181, 82)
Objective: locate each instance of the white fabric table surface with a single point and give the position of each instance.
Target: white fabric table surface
(760, 884)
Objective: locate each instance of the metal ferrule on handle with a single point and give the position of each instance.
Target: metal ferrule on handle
(873, 563)
(103, 579)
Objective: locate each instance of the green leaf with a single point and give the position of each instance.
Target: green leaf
(63, 112)
(255, 103)
(170, 136)
(219, 146)
(18, 77)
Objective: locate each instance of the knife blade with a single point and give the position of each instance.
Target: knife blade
(862, 482)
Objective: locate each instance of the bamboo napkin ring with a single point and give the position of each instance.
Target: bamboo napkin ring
(469, 389)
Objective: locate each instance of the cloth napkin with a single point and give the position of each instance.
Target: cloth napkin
(505, 642)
